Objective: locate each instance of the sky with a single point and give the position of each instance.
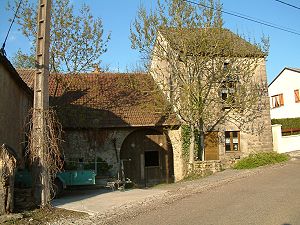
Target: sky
(117, 15)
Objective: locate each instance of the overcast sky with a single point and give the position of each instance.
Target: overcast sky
(118, 14)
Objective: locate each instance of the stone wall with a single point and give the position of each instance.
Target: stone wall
(90, 144)
(180, 165)
(207, 167)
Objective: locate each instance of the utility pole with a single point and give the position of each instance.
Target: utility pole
(41, 103)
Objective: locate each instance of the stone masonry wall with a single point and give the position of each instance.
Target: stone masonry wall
(180, 166)
(89, 144)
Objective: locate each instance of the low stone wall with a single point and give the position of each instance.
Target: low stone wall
(207, 167)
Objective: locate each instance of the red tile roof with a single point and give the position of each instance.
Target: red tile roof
(106, 100)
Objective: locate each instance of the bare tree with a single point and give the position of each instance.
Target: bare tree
(77, 41)
(211, 76)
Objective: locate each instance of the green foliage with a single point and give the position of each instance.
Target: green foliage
(287, 122)
(77, 38)
(260, 159)
(171, 13)
(186, 135)
(23, 60)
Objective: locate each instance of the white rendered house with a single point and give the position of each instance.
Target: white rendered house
(284, 92)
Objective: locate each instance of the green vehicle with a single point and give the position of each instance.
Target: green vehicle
(23, 178)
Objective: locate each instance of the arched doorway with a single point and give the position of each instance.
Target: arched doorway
(147, 158)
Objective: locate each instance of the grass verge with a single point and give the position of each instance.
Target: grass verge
(260, 159)
(44, 216)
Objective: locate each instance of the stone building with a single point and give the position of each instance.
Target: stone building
(129, 119)
(179, 54)
(118, 118)
(15, 102)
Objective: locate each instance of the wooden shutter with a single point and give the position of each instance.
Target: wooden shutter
(281, 102)
(297, 97)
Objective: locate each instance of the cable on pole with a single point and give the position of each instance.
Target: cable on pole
(285, 3)
(12, 22)
(245, 17)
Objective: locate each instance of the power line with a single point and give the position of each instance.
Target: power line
(12, 22)
(245, 17)
(285, 3)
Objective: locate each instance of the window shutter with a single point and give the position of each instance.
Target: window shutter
(281, 100)
(297, 97)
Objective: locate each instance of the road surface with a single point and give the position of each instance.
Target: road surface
(268, 198)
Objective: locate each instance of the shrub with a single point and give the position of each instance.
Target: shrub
(260, 159)
(287, 122)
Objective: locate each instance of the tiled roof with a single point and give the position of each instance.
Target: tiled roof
(106, 100)
(221, 42)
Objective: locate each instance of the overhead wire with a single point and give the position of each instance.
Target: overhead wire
(245, 17)
(285, 3)
(2, 50)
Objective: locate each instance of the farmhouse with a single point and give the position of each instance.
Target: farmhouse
(206, 69)
(118, 118)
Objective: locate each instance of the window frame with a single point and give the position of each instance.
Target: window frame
(231, 141)
(277, 101)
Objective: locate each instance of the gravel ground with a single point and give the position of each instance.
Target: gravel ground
(174, 193)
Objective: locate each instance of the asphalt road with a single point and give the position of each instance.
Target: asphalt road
(268, 198)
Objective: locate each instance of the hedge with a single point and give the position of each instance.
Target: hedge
(287, 122)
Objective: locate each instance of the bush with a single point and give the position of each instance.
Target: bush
(287, 122)
(260, 159)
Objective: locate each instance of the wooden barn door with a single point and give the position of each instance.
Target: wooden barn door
(211, 143)
(150, 159)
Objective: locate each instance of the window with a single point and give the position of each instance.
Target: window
(297, 97)
(232, 141)
(151, 158)
(228, 89)
(277, 101)
(226, 65)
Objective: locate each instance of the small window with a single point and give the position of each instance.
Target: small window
(232, 141)
(277, 101)
(151, 158)
(297, 97)
(228, 89)
(226, 64)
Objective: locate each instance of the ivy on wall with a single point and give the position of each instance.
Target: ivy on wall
(186, 135)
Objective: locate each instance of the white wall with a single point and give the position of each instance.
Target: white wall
(283, 144)
(286, 83)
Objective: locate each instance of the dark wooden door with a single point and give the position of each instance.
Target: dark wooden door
(150, 158)
(211, 143)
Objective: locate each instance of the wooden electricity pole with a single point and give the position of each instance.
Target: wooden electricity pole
(41, 103)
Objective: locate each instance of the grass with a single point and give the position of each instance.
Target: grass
(44, 216)
(260, 159)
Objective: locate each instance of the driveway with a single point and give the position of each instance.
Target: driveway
(100, 200)
(267, 195)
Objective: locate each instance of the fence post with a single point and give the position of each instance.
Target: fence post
(277, 136)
